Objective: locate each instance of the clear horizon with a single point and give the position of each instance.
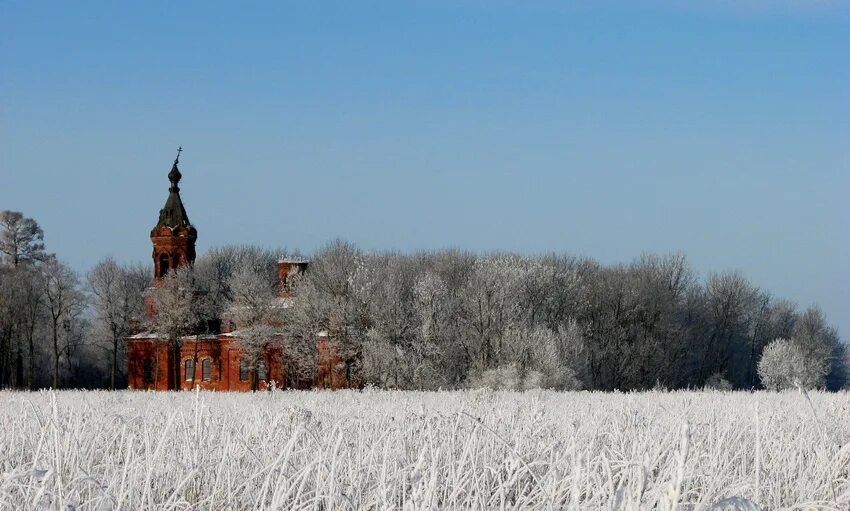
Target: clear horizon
(607, 131)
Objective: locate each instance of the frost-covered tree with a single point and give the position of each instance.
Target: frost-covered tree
(821, 343)
(609, 320)
(393, 352)
(329, 299)
(11, 299)
(117, 296)
(33, 315)
(21, 249)
(547, 358)
(255, 309)
(437, 354)
(660, 284)
(786, 364)
(491, 305)
(214, 271)
(303, 319)
(177, 305)
(64, 301)
(729, 306)
(440, 298)
(718, 382)
(445, 318)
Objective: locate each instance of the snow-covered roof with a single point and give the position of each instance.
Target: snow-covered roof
(237, 332)
(231, 335)
(154, 335)
(293, 260)
(145, 335)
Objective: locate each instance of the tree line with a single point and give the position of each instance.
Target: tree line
(452, 319)
(56, 328)
(426, 320)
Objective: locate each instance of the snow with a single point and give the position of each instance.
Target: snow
(283, 302)
(145, 335)
(293, 260)
(424, 450)
(154, 335)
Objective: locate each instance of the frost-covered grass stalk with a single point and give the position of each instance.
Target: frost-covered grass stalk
(414, 450)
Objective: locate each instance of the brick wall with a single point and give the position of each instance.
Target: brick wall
(225, 357)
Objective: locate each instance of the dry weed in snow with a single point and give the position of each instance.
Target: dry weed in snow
(412, 450)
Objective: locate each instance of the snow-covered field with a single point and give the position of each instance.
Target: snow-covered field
(387, 450)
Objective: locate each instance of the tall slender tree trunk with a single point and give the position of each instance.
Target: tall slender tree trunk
(55, 354)
(69, 362)
(751, 367)
(5, 342)
(114, 360)
(31, 360)
(254, 364)
(195, 362)
(19, 366)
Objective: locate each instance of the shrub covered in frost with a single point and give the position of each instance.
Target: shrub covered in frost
(501, 378)
(784, 365)
(510, 377)
(717, 382)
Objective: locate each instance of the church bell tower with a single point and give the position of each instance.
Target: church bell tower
(173, 236)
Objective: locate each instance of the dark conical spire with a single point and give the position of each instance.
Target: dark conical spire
(175, 175)
(174, 214)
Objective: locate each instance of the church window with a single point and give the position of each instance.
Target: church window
(243, 370)
(262, 372)
(147, 370)
(163, 264)
(206, 369)
(189, 369)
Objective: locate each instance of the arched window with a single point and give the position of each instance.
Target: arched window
(163, 264)
(189, 369)
(147, 370)
(206, 369)
(243, 370)
(262, 372)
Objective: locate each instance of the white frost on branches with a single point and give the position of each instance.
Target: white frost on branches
(785, 364)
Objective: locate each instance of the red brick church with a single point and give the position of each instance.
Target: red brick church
(211, 361)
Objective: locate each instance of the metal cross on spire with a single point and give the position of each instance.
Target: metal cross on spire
(179, 150)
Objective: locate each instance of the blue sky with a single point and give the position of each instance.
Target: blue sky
(721, 129)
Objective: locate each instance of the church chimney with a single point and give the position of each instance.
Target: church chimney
(286, 269)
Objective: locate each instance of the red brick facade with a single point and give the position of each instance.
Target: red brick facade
(150, 365)
(172, 248)
(217, 362)
(331, 373)
(213, 362)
